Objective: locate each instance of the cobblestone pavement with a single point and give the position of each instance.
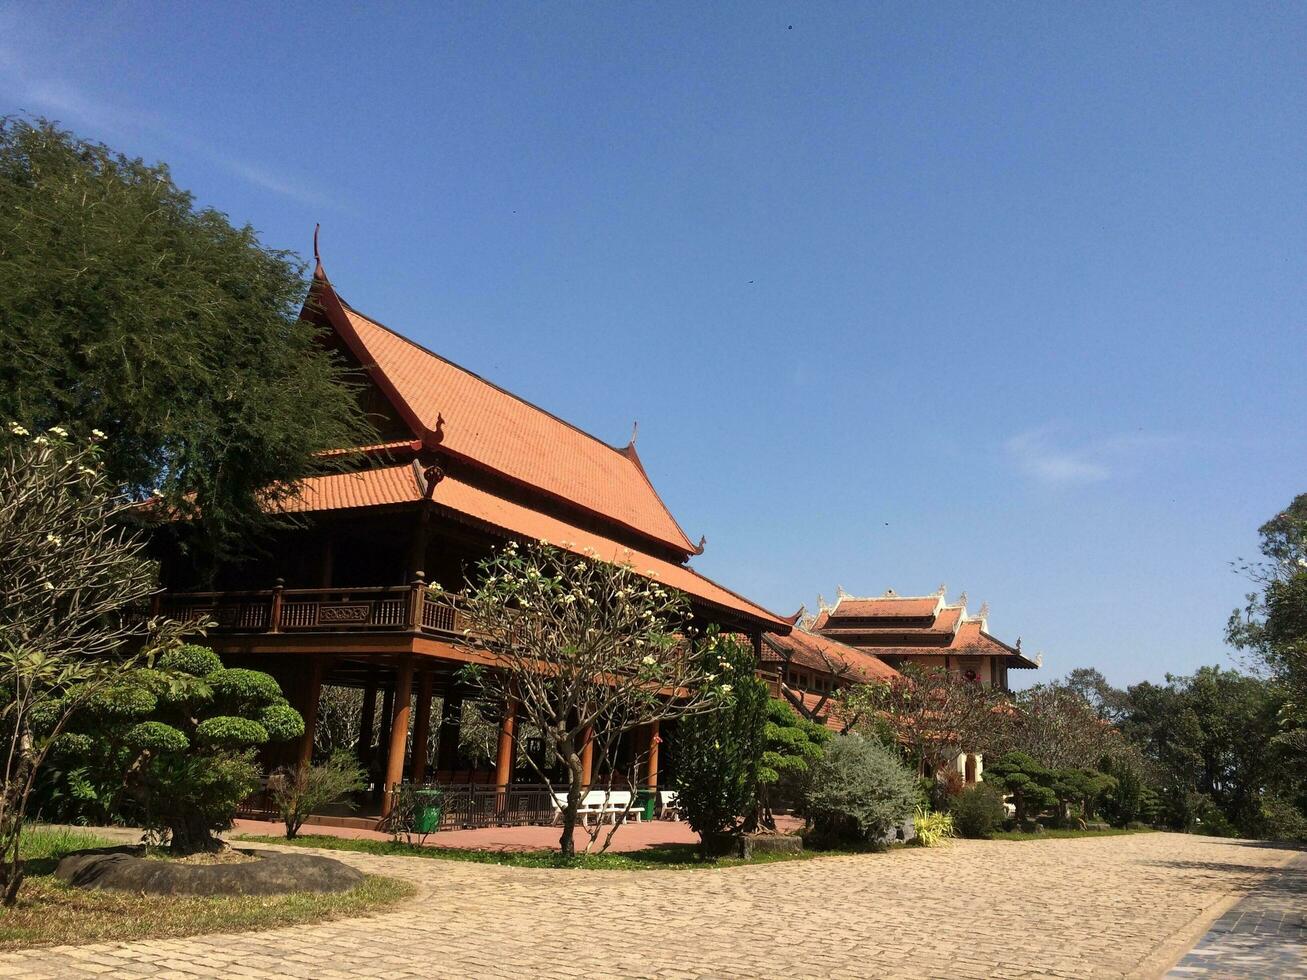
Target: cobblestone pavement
(1096, 907)
(1264, 935)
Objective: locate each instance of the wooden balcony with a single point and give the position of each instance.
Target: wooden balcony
(411, 609)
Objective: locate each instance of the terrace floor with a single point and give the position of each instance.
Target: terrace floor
(1092, 907)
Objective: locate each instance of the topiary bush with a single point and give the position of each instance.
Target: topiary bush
(173, 747)
(857, 792)
(977, 811)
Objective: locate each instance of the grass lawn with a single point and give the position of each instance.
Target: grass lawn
(1051, 834)
(657, 857)
(49, 913)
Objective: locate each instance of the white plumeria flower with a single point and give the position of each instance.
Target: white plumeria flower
(54, 539)
(649, 661)
(40, 440)
(17, 429)
(59, 430)
(725, 689)
(97, 433)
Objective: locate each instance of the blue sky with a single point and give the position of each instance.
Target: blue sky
(1008, 297)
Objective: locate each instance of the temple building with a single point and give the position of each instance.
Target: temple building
(460, 467)
(812, 668)
(927, 630)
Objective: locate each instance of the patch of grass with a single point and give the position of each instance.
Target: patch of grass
(678, 857)
(1053, 834)
(50, 913)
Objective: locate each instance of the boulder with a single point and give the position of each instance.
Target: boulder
(274, 873)
(751, 844)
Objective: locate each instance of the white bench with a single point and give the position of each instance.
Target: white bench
(667, 806)
(596, 803)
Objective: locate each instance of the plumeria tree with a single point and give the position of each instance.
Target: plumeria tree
(73, 582)
(587, 650)
(932, 713)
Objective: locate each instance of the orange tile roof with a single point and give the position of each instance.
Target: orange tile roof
(909, 607)
(969, 641)
(496, 429)
(400, 484)
(830, 656)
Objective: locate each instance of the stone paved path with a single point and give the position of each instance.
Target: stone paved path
(1098, 907)
(1264, 935)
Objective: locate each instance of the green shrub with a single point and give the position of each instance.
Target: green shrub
(932, 829)
(282, 722)
(297, 792)
(858, 791)
(242, 690)
(155, 736)
(192, 659)
(227, 731)
(977, 811)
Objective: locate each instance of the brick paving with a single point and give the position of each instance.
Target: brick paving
(1097, 907)
(1263, 936)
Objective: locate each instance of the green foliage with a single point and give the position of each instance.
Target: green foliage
(229, 732)
(1078, 792)
(718, 751)
(1029, 782)
(932, 829)
(791, 744)
(125, 307)
(177, 763)
(151, 736)
(858, 791)
(977, 811)
(298, 791)
(190, 658)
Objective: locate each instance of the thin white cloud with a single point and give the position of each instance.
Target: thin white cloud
(1048, 456)
(33, 91)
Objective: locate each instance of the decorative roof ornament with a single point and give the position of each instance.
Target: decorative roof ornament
(822, 604)
(962, 600)
(984, 610)
(889, 594)
(942, 590)
(635, 431)
(840, 593)
(1018, 643)
(431, 476)
(703, 543)
(438, 433)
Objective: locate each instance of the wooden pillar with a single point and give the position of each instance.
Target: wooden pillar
(421, 729)
(368, 719)
(309, 709)
(504, 757)
(451, 729)
(402, 699)
(587, 755)
(651, 762)
(387, 711)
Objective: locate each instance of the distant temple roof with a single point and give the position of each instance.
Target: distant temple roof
(892, 625)
(825, 655)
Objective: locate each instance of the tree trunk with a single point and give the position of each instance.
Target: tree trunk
(191, 835)
(566, 845)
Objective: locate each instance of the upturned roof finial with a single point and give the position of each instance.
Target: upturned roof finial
(316, 228)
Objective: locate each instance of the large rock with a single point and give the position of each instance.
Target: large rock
(751, 844)
(274, 873)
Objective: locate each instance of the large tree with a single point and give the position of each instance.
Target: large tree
(125, 306)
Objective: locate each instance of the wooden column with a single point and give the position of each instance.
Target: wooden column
(504, 757)
(587, 755)
(368, 719)
(451, 728)
(402, 700)
(387, 711)
(309, 709)
(651, 763)
(421, 729)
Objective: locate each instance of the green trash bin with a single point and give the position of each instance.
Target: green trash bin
(647, 800)
(429, 811)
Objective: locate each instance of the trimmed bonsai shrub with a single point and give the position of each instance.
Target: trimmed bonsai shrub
(858, 791)
(718, 752)
(791, 745)
(296, 792)
(1029, 782)
(977, 811)
(175, 745)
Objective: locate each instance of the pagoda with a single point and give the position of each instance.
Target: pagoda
(347, 596)
(926, 630)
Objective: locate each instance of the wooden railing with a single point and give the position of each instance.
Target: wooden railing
(405, 608)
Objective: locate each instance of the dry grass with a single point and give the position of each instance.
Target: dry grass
(50, 913)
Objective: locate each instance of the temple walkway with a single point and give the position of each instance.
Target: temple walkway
(1097, 907)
